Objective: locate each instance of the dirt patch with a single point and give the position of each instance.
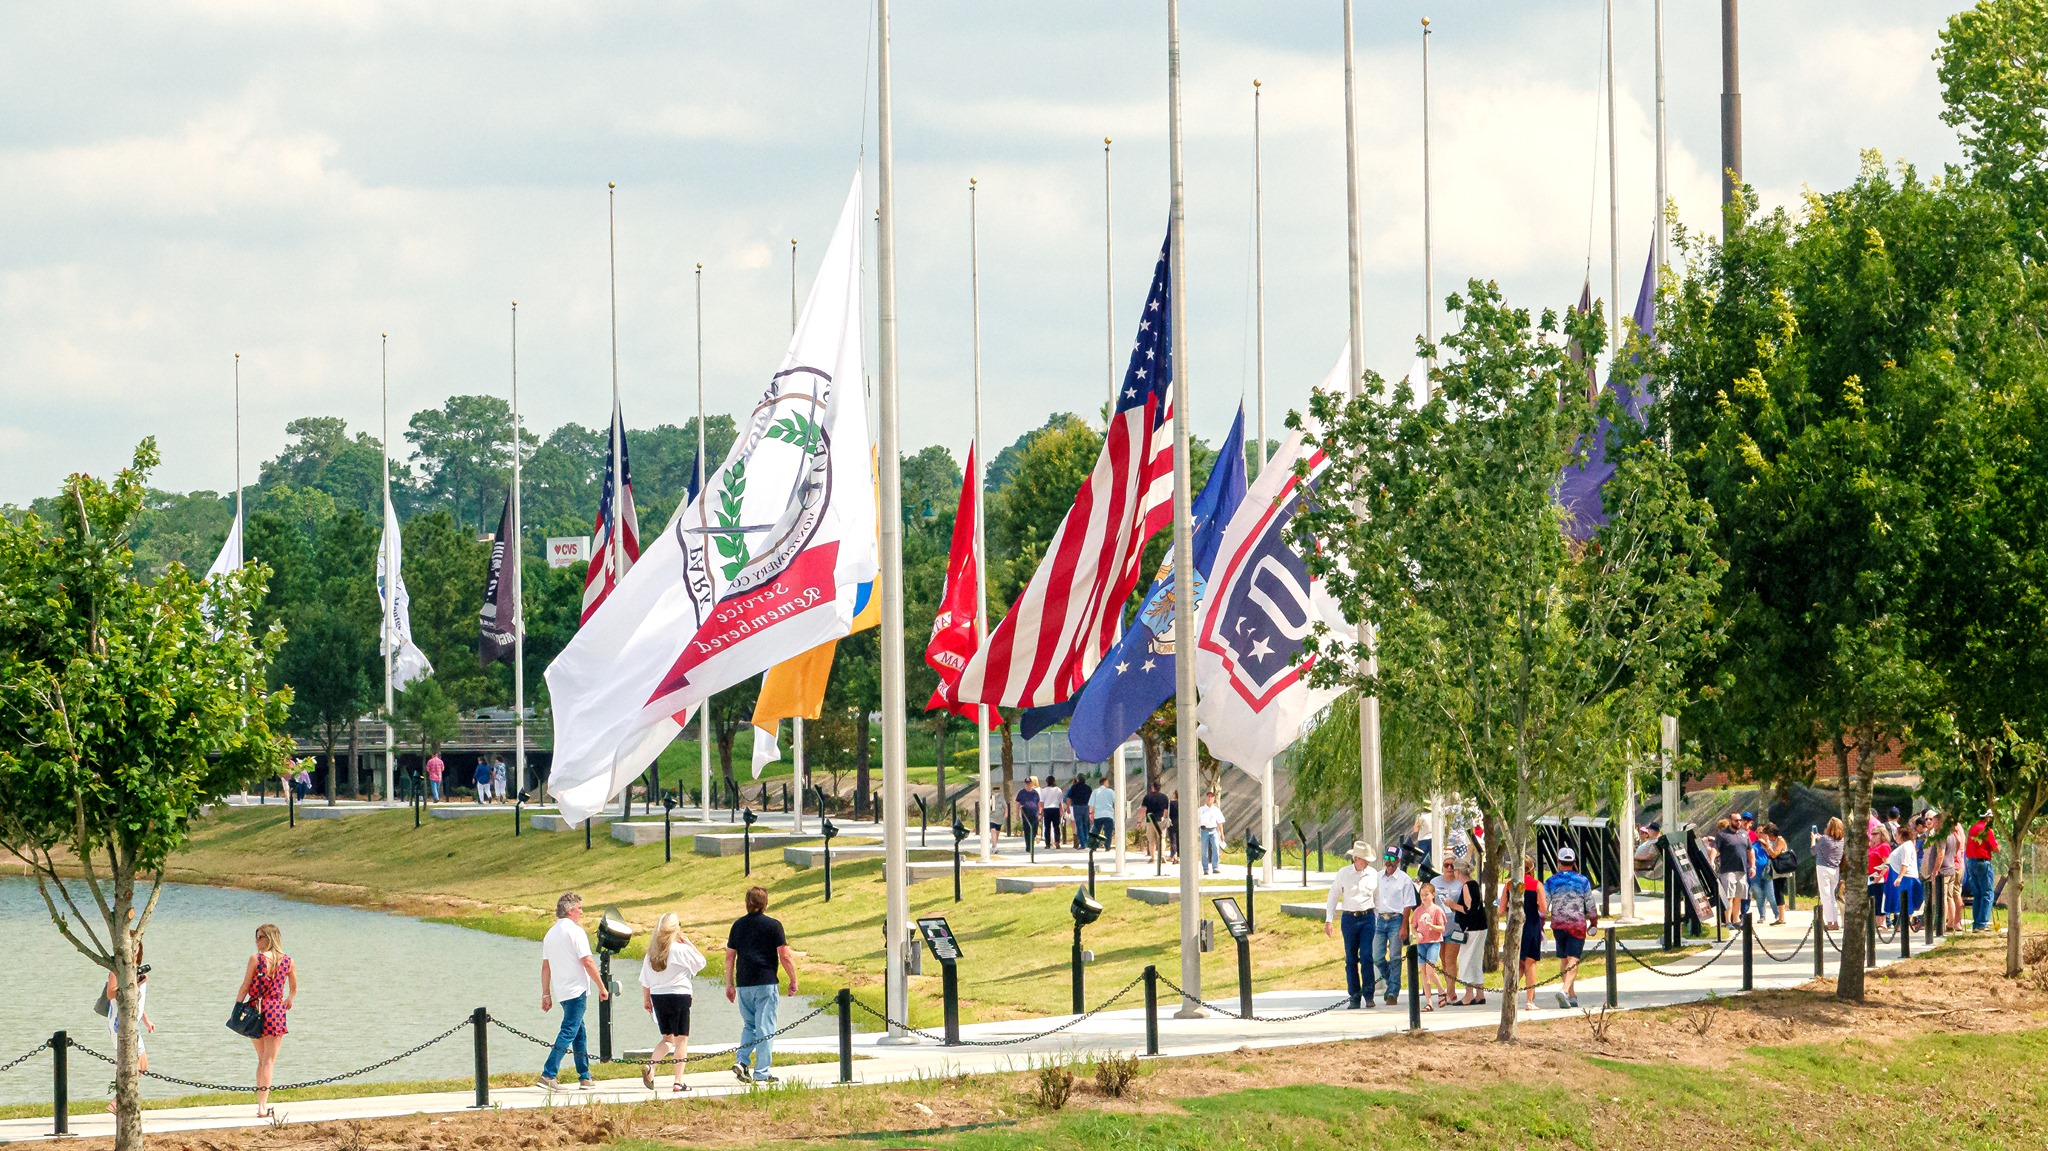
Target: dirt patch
(1958, 989)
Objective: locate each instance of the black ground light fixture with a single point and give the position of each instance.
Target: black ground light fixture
(830, 830)
(959, 834)
(1254, 851)
(519, 803)
(1085, 911)
(668, 811)
(747, 819)
(613, 934)
(418, 800)
(1239, 925)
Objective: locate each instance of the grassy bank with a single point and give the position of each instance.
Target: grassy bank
(475, 873)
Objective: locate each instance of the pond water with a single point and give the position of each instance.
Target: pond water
(370, 985)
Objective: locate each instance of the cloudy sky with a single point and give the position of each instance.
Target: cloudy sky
(185, 179)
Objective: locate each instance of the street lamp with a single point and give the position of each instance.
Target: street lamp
(1085, 911)
(668, 811)
(613, 934)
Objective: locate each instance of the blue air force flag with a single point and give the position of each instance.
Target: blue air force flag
(1138, 674)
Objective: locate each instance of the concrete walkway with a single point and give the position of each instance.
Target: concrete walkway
(1121, 1029)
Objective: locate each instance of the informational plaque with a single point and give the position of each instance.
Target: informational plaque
(1233, 917)
(939, 937)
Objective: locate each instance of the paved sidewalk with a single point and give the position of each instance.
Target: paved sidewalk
(1121, 1029)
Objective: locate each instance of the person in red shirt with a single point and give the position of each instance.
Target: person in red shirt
(1876, 862)
(1977, 882)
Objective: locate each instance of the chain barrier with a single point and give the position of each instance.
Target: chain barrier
(1090, 1014)
(1884, 936)
(1711, 960)
(1796, 948)
(1828, 938)
(695, 1057)
(18, 1060)
(1234, 1014)
(229, 1088)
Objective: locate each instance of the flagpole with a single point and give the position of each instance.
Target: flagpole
(796, 758)
(1259, 344)
(986, 807)
(518, 548)
(390, 576)
(1669, 792)
(894, 768)
(1372, 821)
(1187, 756)
(1428, 205)
(703, 481)
(240, 544)
(1122, 761)
(618, 544)
(1613, 204)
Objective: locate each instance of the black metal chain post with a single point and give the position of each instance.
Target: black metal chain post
(1151, 1010)
(604, 1007)
(1936, 906)
(586, 831)
(1613, 970)
(1904, 927)
(1748, 957)
(1079, 980)
(1869, 933)
(846, 1035)
(1414, 988)
(60, 1072)
(480, 1019)
(1820, 943)
(668, 812)
(518, 805)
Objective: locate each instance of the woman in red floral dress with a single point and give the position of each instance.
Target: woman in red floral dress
(269, 982)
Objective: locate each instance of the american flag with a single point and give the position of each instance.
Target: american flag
(1067, 616)
(599, 581)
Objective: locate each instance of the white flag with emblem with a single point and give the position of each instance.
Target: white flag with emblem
(764, 564)
(408, 662)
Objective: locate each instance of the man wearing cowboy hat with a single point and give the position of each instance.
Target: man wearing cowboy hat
(1350, 904)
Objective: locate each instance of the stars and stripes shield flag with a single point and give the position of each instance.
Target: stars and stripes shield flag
(1067, 616)
(1251, 669)
(606, 569)
(1138, 676)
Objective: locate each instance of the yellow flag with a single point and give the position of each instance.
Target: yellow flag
(795, 688)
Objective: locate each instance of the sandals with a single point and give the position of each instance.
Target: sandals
(647, 1074)
(680, 1087)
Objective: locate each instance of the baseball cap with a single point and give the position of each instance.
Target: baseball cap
(1566, 855)
(1393, 853)
(1747, 815)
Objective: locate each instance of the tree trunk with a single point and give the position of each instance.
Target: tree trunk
(127, 1072)
(355, 760)
(860, 764)
(2015, 878)
(333, 738)
(1489, 887)
(1856, 909)
(1153, 771)
(1511, 943)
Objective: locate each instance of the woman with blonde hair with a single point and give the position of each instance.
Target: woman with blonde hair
(1827, 873)
(271, 983)
(672, 962)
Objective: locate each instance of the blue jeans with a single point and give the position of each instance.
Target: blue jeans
(1386, 953)
(434, 785)
(1763, 896)
(1977, 879)
(570, 1038)
(1083, 822)
(757, 1025)
(1212, 851)
(1357, 927)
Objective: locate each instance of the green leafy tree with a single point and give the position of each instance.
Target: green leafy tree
(1993, 66)
(331, 660)
(181, 528)
(425, 716)
(1535, 663)
(125, 709)
(321, 456)
(444, 573)
(1818, 371)
(465, 447)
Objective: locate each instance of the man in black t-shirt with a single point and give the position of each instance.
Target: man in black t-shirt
(1077, 808)
(753, 949)
(1731, 867)
(1154, 805)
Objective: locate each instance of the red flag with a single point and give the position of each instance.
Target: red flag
(953, 629)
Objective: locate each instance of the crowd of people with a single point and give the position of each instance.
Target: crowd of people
(486, 779)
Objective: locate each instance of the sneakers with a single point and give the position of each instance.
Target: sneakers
(766, 1077)
(585, 1084)
(1391, 999)
(742, 1073)
(1574, 1001)
(1562, 1002)
(546, 1083)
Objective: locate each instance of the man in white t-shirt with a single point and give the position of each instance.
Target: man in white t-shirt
(1394, 900)
(1209, 818)
(567, 973)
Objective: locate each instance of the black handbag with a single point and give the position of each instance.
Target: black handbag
(1785, 863)
(246, 1020)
